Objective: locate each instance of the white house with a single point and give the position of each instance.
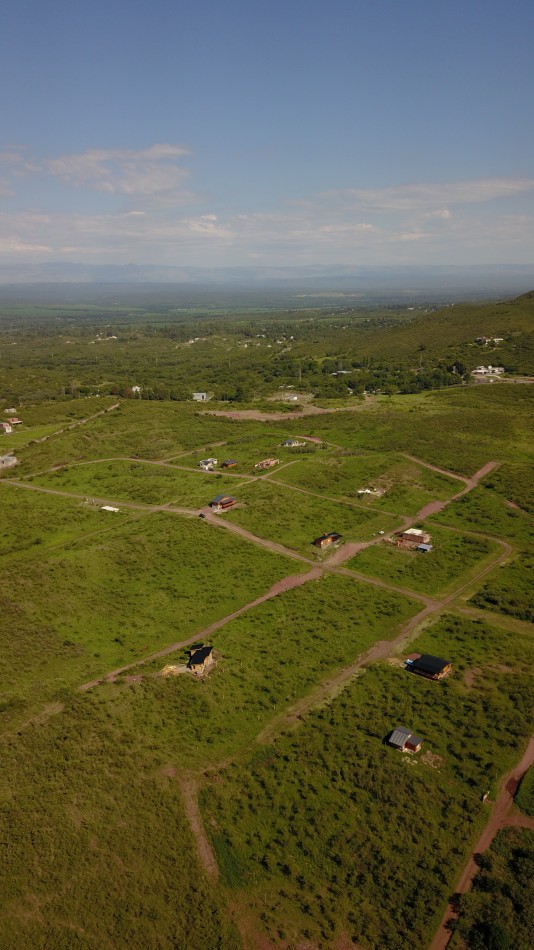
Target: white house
(200, 397)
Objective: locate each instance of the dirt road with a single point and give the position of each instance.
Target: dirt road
(189, 788)
(503, 815)
(287, 583)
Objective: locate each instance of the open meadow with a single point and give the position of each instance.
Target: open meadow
(315, 833)
(259, 805)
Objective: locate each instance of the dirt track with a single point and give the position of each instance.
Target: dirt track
(503, 815)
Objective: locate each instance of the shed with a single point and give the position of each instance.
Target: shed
(424, 548)
(222, 502)
(200, 659)
(229, 463)
(326, 539)
(200, 397)
(433, 667)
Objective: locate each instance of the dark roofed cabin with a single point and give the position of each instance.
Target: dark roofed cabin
(222, 502)
(433, 667)
(200, 660)
(229, 463)
(330, 538)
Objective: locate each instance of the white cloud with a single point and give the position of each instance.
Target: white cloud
(149, 172)
(425, 197)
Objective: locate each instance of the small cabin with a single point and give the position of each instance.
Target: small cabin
(405, 740)
(424, 548)
(200, 397)
(266, 463)
(229, 463)
(415, 535)
(200, 660)
(332, 537)
(222, 502)
(433, 667)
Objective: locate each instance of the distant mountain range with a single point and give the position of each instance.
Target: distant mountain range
(408, 276)
(298, 287)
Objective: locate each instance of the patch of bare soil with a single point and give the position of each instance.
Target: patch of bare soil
(470, 676)
(251, 937)
(433, 760)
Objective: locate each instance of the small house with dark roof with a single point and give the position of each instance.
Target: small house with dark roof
(405, 740)
(222, 502)
(433, 667)
(424, 548)
(332, 537)
(200, 660)
(229, 463)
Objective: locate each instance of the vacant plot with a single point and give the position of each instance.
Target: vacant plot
(86, 609)
(407, 487)
(453, 557)
(45, 520)
(303, 829)
(485, 511)
(138, 481)
(295, 519)
(102, 855)
(511, 590)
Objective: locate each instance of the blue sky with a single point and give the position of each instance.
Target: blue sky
(281, 133)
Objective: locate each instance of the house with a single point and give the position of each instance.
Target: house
(292, 443)
(229, 463)
(200, 397)
(207, 465)
(200, 660)
(405, 740)
(433, 667)
(488, 371)
(415, 535)
(8, 461)
(136, 389)
(222, 502)
(108, 508)
(6, 427)
(332, 537)
(14, 421)
(424, 548)
(266, 463)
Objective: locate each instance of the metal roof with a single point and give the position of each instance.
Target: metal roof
(400, 736)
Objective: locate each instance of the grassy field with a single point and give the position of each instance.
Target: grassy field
(319, 832)
(459, 430)
(268, 659)
(498, 912)
(294, 519)
(97, 851)
(47, 521)
(97, 604)
(511, 590)
(454, 557)
(407, 486)
(485, 511)
(139, 481)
